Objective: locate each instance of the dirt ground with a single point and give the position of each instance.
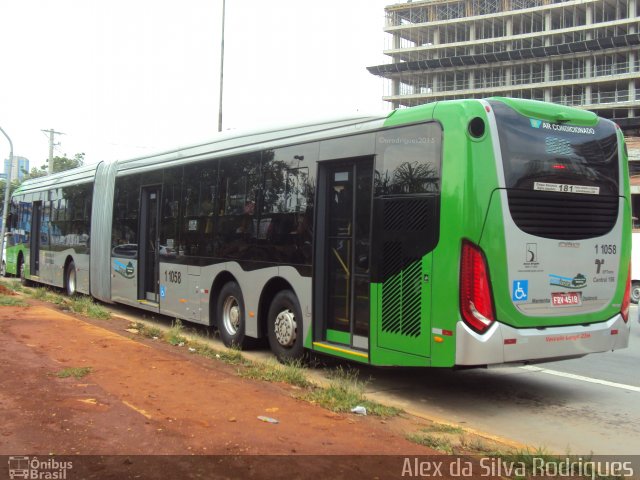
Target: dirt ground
(145, 397)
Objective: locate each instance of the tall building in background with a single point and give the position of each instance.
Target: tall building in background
(583, 53)
(19, 168)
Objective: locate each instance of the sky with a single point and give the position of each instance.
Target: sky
(125, 78)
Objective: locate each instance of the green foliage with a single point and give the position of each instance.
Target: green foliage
(346, 391)
(60, 164)
(436, 442)
(271, 371)
(86, 306)
(174, 334)
(13, 186)
(75, 372)
(7, 301)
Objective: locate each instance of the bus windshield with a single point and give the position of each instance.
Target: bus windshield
(539, 155)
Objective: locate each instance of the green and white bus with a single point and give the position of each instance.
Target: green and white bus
(459, 233)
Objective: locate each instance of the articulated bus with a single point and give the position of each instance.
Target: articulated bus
(458, 233)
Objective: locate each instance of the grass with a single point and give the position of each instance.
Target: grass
(174, 335)
(15, 287)
(7, 301)
(436, 442)
(86, 306)
(81, 304)
(292, 373)
(75, 372)
(346, 391)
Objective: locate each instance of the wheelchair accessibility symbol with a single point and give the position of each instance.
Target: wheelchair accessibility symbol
(520, 290)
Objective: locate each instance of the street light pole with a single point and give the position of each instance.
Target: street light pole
(7, 187)
(221, 69)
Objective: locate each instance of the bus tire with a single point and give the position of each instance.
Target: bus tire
(285, 327)
(70, 279)
(635, 292)
(231, 316)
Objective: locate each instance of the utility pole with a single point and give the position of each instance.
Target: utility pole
(51, 133)
(7, 187)
(221, 70)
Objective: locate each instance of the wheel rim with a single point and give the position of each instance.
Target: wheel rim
(635, 293)
(286, 328)
(71, 281)
(231, 315)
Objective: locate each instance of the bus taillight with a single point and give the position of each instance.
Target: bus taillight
(626, 300)
(476, 304)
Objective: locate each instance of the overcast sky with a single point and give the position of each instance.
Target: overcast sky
(122, 78)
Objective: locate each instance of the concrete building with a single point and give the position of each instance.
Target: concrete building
(583, 53)
(18, 168)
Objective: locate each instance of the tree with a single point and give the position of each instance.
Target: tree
(3, 184)
(60, 164)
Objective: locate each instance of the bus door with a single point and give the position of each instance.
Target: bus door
(34, 247)
(148, 251)
(343, 253)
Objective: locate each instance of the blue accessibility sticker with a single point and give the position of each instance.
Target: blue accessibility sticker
(520, 292)
(163, 291)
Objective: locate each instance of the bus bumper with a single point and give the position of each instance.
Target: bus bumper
(505, 344)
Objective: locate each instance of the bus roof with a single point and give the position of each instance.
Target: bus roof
(223, 144)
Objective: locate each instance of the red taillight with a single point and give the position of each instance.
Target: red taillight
(476, 305)
(626, 300)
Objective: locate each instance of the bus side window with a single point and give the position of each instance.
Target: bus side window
(125, 213)
(239, 181)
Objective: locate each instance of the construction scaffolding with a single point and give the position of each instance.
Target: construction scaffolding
(575, 52)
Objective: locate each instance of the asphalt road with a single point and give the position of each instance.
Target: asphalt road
(583, 406)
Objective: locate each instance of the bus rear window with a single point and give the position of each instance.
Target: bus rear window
(538, 155)
(408, 160)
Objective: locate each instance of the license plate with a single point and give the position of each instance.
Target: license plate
(566, 299)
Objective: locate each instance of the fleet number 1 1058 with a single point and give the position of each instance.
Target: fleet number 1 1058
(172, 276)
(606, 249)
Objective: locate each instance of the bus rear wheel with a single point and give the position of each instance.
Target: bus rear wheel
(230, 316)
(21, 272)
(285, 327)
(635, 292)
(70, 279)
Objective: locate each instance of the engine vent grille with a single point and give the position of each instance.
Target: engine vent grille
(402, 302)
(563, 216)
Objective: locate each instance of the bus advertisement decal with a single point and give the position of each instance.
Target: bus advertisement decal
(579, 281)
(127, 271)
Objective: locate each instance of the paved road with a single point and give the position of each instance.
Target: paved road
(582, 406)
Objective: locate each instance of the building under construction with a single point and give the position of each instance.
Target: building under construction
(582, 53)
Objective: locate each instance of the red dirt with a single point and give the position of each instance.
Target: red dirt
(6, 291)
(144, 397)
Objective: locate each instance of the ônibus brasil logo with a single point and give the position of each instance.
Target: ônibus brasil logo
(31, 467)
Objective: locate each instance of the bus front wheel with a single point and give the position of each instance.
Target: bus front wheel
(285, 327)
(230, 316)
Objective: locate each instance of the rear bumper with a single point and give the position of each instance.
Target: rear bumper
(505, 344)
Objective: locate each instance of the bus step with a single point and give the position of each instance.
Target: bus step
(328, 347)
